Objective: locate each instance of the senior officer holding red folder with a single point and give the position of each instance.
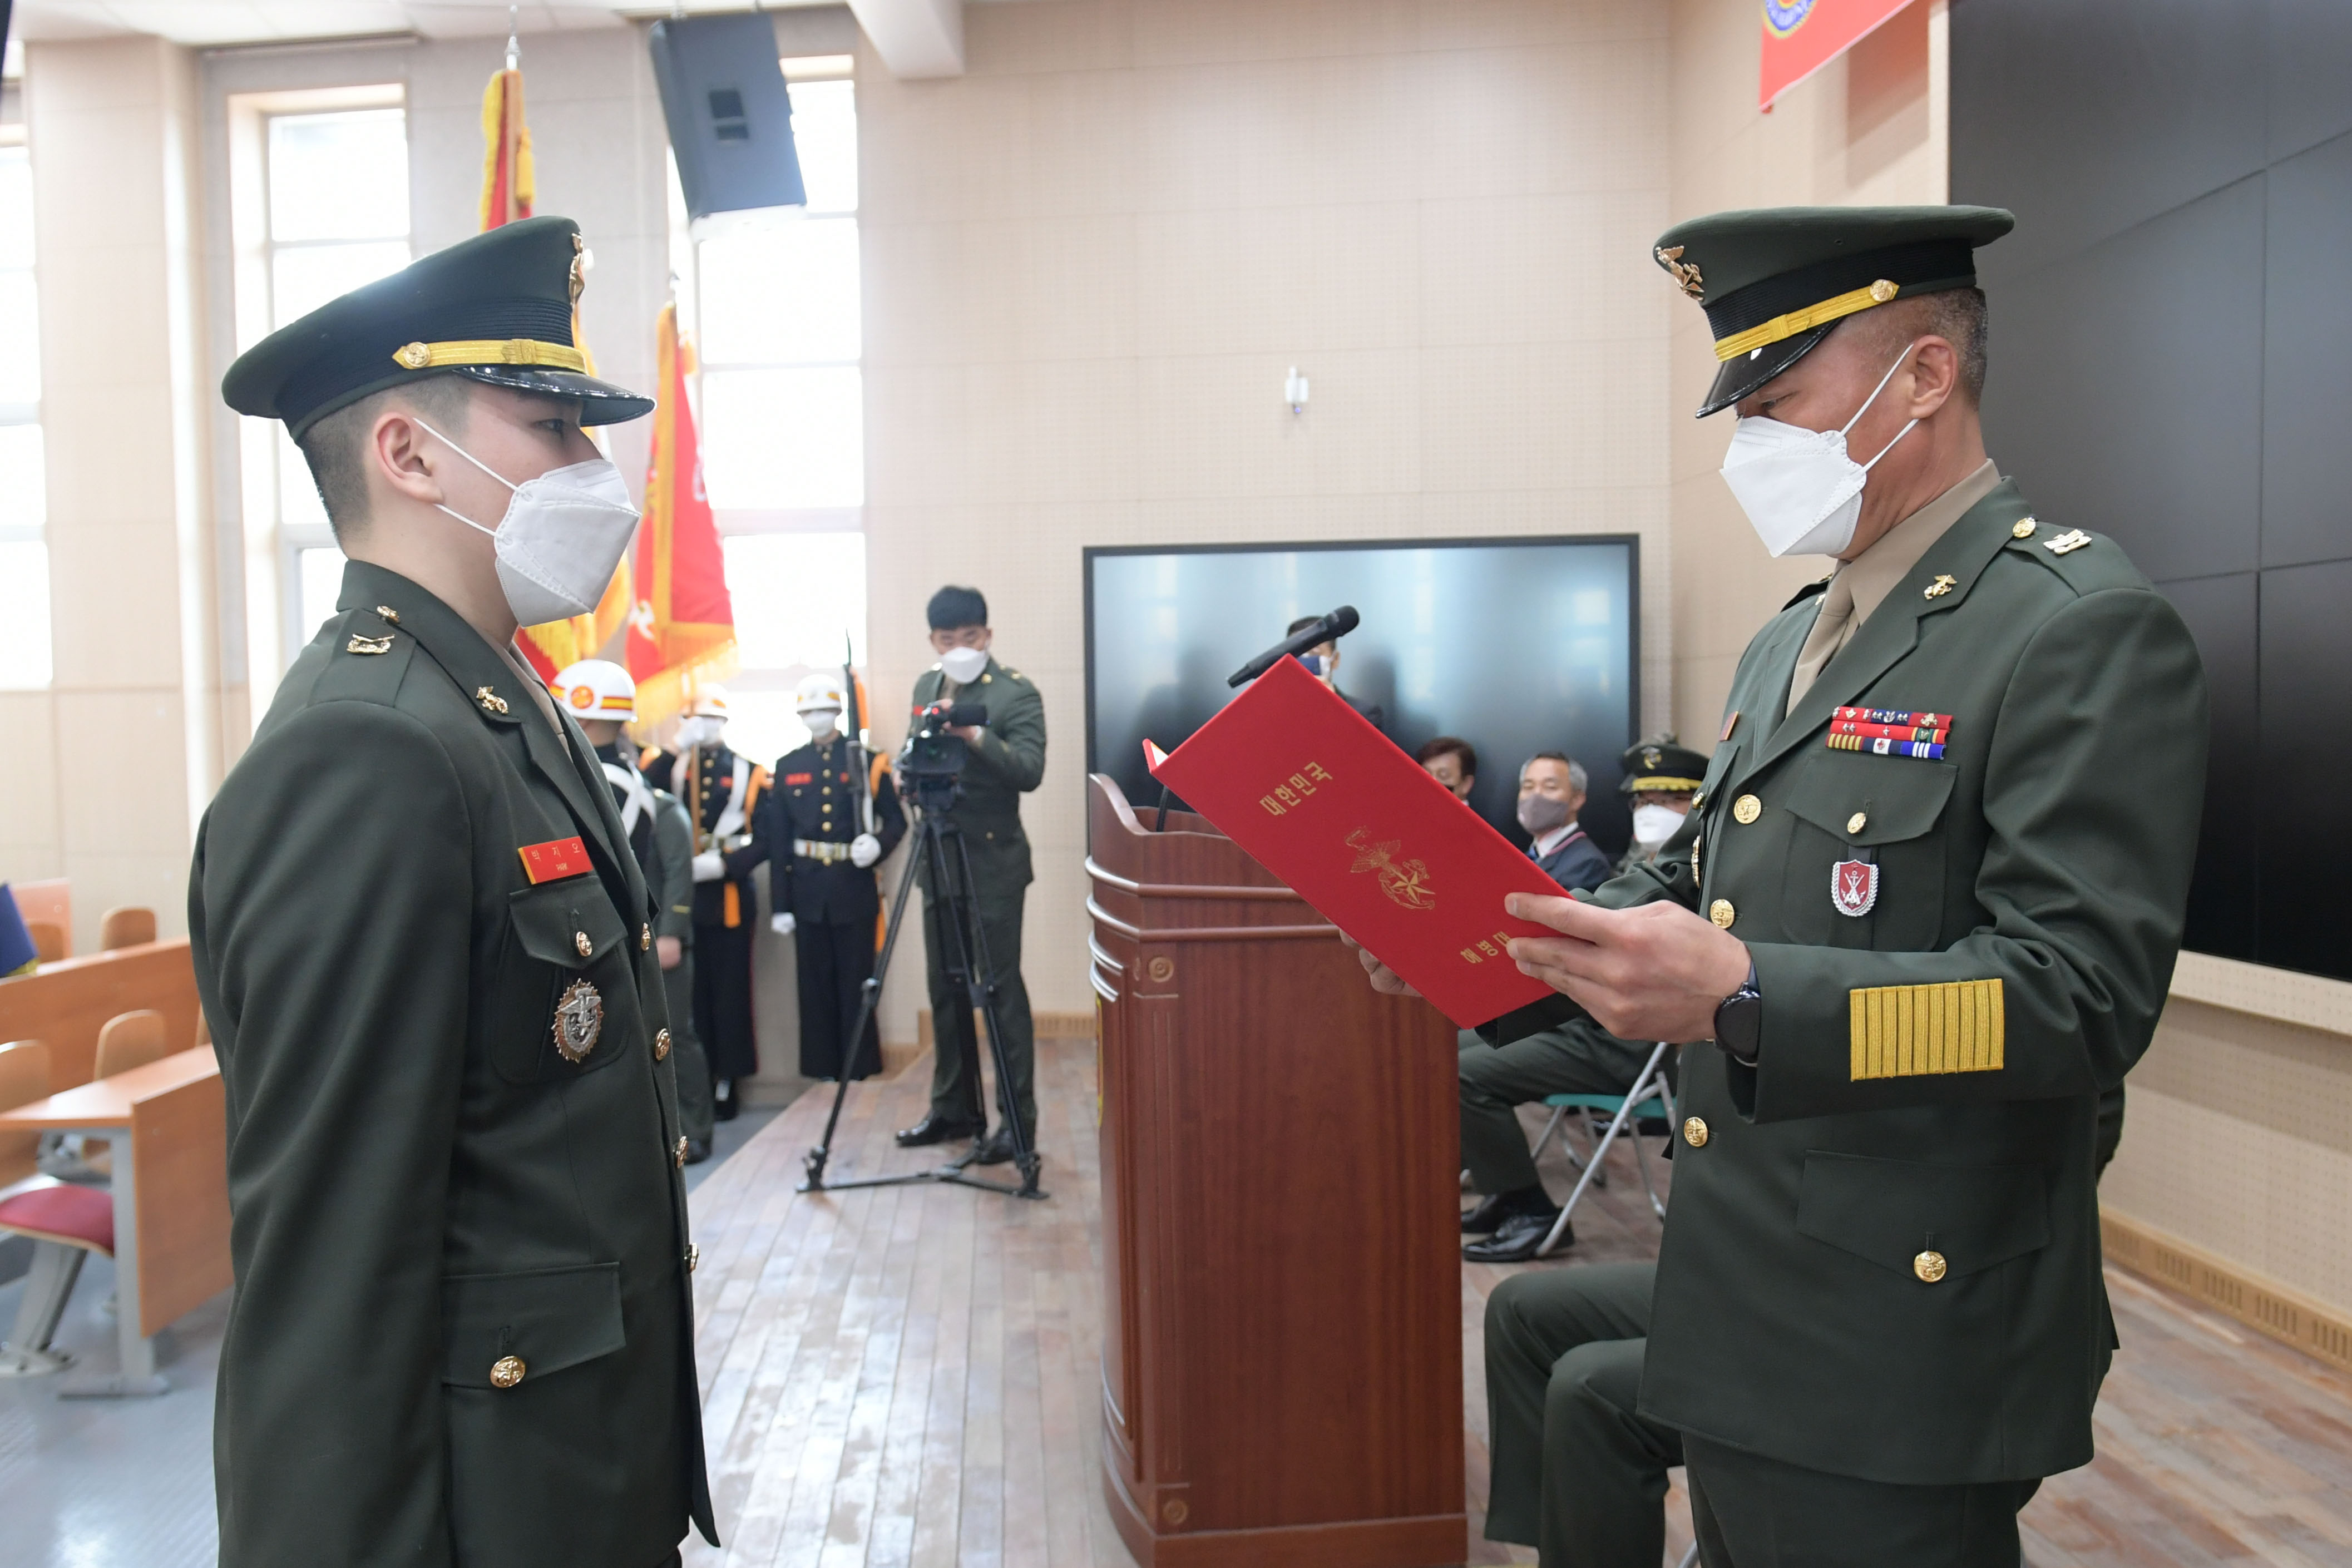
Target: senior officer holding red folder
(1924, 913)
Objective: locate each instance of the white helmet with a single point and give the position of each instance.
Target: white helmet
(596, 688)
(709, 701)
(820, 690)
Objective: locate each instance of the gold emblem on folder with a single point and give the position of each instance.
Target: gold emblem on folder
(1406, 881)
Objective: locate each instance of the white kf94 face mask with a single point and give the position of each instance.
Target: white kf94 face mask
(963, 666)
(1800, 491)
(563, 535)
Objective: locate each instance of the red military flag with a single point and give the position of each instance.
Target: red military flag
(682, 629)
(510, 184)
(1801, 37)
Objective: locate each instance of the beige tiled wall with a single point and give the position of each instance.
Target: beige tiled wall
(1090, 261)
(122, 749)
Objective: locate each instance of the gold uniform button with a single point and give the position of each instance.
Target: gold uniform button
(2021, 530)
(661, 1045)
(507, 1371)
(678, 1155)
(1746, 808)
(1722, 913)
(580, 940)
(644, 937)
(1856, 822)
(693, 1256)
(1695, 1132)
(1930, 1267)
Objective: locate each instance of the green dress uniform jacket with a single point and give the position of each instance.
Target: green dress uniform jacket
(462, 1330)
(1882, 1258)
(1006, 762)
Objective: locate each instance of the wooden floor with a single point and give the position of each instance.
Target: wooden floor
(908, 1375)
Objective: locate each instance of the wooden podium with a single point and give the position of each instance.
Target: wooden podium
(1282, 1302)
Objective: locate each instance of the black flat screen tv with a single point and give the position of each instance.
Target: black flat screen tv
(1516, 645)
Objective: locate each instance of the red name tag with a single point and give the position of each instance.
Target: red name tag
(554, 859)
(799, 777)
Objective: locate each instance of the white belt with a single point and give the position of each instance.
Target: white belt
(821, 850)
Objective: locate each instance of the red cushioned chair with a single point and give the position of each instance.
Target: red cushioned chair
(66, 1223)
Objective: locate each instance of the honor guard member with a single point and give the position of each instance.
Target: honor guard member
(1923, 916)
(463, 1326)
(604, 699)
(1008, 759)
(722, 793)
(1658, 778)
(831, 816)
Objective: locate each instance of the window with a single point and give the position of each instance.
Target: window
(320, 206)
(775, 313)
(25, 653)
(338, 215)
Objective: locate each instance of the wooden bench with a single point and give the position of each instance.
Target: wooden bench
(67, 1002)
(168, 1124)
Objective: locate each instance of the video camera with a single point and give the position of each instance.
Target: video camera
(933, 759)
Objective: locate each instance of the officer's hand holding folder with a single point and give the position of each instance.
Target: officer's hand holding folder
(1354, 826)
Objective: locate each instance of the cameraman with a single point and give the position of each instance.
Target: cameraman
(1006, 759)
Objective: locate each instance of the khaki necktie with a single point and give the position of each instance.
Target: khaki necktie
(1832, 630)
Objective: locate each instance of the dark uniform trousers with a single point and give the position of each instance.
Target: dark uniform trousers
(955, 1056)
(816, 801)
(1578, 1059)
(1564, 1352)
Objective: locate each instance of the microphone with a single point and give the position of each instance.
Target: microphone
(1339, 623)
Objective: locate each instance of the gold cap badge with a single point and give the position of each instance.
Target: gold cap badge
(1685, 273)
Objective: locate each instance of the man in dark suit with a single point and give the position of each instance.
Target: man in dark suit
(1552, 794)
(463, 1328)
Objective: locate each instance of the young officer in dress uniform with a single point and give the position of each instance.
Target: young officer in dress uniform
(1660, 775)
(1008, 759)
(822, 849)
(722, 793)
(463, 1329)
(1924, 914)
(604, 699)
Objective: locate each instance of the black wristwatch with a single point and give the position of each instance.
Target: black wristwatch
(1740, 1020)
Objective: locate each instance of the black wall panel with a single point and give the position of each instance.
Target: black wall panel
(2224, 907)
(2172, 366)
(2307, 711)
(2310, 49)
(2307, 356)
(2117, 110)
(2086, 405)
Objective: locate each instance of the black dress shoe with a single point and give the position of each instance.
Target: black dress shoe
(935, 1129)
(1489, 1214)
(995, 1149)
(697, 1151)
(1517, 1239)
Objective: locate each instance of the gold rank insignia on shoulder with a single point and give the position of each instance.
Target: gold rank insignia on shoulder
(579, 1021)
(389, 613)
(491, 702)
(359, 644)
(2067, 543)
(2021, 530)
(1945, 582)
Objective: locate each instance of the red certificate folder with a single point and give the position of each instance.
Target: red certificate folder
(1354, 826)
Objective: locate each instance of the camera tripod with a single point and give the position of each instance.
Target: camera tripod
(939, 844)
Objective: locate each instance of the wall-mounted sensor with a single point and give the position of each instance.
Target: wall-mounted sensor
(1294, 391)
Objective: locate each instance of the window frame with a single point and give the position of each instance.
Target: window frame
(273, 548)
(18, 416)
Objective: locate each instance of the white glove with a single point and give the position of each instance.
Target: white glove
(782, 924)
(864, 851)
(710, 866)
